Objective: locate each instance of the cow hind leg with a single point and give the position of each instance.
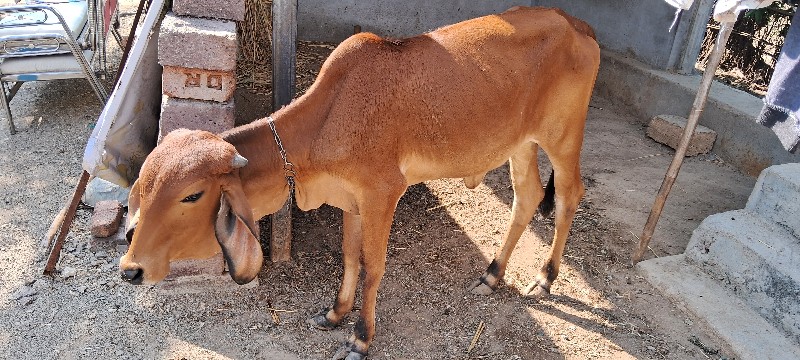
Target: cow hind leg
(524, 169)
(569, 191)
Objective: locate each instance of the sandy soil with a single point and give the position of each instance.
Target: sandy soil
(443, 237)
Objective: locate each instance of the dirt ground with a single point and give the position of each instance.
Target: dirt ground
(443, 237)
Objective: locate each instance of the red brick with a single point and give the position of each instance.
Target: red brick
(200, 84)
(214, 265)
(199, 276)
(198, 284)
(118, 240)
(106, 218)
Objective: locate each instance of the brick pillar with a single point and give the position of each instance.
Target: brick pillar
(197, 48)
(199, 60)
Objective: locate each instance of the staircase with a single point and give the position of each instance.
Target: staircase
(741, 270)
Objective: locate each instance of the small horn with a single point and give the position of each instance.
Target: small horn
(239, 161)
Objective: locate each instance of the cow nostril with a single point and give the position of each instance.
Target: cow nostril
(133, 276)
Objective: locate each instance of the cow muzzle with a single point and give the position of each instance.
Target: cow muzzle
(134, 276)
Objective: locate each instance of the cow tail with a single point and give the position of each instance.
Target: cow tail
(548, 203)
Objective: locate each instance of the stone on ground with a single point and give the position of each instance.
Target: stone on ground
(668, 130)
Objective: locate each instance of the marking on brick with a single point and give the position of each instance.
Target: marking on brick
(203, 80)
(192, 79)
(214, 81)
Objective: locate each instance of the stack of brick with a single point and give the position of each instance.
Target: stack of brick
(197, 48)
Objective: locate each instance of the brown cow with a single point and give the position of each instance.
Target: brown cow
(382, 115)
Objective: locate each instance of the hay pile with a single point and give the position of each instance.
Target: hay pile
(255, 57)
(254, 64)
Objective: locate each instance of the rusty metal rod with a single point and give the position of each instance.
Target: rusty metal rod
(66, 221)
(677, 161)
(131, 36)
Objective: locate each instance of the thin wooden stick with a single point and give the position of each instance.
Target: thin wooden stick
(475, 337)
(282, 310)
(677, 161)
(66, 221)
(275, 318)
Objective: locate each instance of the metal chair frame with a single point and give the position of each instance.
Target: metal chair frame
(10, 83)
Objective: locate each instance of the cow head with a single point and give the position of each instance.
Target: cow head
(189, 203)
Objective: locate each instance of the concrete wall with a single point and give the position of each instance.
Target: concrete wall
(333, 20)
(632, 27)
(646, 92)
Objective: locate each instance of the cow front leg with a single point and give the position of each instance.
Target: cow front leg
(376, 221)
(329, 318)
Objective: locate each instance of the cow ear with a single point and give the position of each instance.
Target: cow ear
(238, 236)
(133, 211)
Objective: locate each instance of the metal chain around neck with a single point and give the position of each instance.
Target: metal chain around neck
(288, 167)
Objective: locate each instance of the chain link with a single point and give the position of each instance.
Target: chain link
(288, 167)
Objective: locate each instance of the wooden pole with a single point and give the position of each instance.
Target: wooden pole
(677, 161)
(284, 48)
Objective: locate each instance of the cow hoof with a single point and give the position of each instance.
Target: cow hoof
(535, 290)
(480, 288)
(319, 321)
(348, 352)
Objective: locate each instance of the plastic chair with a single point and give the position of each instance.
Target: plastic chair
(49, 40)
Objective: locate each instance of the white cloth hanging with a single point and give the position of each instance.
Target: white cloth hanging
(724, 10)
(728, 10)
(680, 4)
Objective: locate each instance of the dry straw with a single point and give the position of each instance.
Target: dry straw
(255, 37)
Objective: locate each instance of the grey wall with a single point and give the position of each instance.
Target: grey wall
(632, 27)
(333, 20)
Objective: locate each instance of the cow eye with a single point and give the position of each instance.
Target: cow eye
(192, 198)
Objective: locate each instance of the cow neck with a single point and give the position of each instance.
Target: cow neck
(254, 142)
(296, 125)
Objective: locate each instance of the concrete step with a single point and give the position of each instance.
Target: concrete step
(754, 258)
(775, 196)
(749, 335)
